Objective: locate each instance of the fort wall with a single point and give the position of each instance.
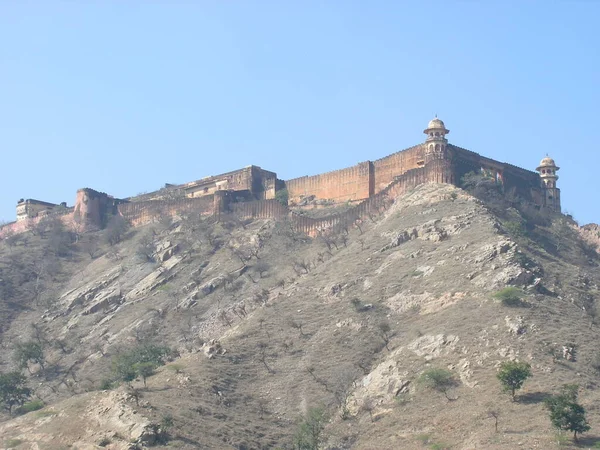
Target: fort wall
(349, 184)
(250, 192)
(388, 168)
(141, 213)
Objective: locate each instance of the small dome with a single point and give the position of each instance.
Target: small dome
(547, 161)
(436, 123)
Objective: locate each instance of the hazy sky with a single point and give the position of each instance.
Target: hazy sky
(123, 96)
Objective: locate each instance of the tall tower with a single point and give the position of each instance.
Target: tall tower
(547, 170)
(436, 142)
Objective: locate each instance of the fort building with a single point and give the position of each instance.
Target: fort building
(253, 191)
(30, 208)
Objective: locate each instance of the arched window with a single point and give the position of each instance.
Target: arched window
(437, 147)
(437, 134)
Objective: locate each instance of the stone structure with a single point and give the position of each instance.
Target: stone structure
(251, 191)
(547, 170)
(251, 183)
(30, 208)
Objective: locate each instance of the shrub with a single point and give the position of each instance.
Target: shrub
(440, 380)
(282, 196)
(516, 230)
(106, 385)
(510, 296)
(33, 405)
(12, 443)
(310, 430)
(512, 375)
(139, 361)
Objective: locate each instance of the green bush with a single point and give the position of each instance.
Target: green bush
(510, 296)
(139, 361)
(107, 385)
(282, 196)
(33, 405)
(310, 430)
(12, 443)
(516, 230)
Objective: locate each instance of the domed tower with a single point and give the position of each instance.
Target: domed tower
(436, 142)
(547, 170)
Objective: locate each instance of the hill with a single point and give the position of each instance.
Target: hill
(267, 328)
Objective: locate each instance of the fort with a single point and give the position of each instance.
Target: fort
(253, 192)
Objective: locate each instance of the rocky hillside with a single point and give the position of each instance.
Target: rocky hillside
(267, 328)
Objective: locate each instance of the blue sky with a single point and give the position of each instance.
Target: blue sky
(123, 97)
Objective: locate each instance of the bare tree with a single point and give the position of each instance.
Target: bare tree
(386, 333)
(368, 406)
(297, 325)
(494, 414)
(262, 355)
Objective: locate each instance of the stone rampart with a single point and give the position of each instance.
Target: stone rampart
(141, 213)
(388, 168)
(352, 183)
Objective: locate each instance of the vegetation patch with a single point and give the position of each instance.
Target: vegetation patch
(510, 296)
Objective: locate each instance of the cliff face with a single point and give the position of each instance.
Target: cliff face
(268, 324)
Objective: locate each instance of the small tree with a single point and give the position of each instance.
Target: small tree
(13, 391)
(386, 333)
(145, 370)
(310, 430)
(440, 380)
(115, 230)
(565, 413)
(512, 375)
(29, 351)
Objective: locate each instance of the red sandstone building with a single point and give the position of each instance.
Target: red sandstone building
(251, 191)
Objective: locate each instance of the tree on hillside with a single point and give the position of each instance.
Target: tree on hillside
(140, 361)
(440, 380)
(512, 375)
(29, 351)
(13, 391)
(565, 413)
(145, 370)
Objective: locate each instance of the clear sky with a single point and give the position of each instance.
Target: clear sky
(124, 96)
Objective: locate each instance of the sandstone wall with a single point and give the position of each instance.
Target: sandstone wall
(352, 183)
(261, 209)
(386, 169)
(140, 213)
(93, 208)
(439, 171)
(517, 181)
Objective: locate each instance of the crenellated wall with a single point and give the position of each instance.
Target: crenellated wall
(438, 171)
(352, 183)
(388, 168)
(141, 213)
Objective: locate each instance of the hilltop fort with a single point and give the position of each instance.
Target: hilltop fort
(258, 193)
